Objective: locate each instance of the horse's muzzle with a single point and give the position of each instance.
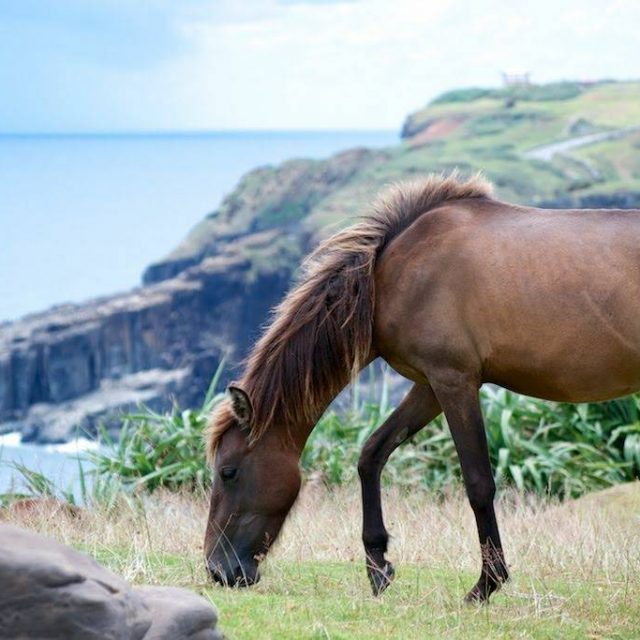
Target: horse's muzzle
(239, 576)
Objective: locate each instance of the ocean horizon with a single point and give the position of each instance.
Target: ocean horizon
(83, 214)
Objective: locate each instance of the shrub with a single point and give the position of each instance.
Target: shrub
(546, 447)
(549, 448)
(464, 95)
(544, 92)
(563, 90)
(159, 450)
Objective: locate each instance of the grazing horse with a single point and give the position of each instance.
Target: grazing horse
(452, 288)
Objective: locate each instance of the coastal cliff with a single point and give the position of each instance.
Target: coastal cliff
(65, 370)
(73, 366)
(68, 369)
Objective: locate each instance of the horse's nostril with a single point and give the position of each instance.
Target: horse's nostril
(241, 579)
(217, 575)
(244, 579)
(237, 577)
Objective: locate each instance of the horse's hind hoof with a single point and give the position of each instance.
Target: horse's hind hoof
(476, 597)
(482, 591)
(380, 578)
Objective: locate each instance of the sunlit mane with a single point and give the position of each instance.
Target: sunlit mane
(320, 334)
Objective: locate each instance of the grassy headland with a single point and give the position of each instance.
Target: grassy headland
(496, 131)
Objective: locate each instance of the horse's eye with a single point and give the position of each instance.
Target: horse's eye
(228, 473)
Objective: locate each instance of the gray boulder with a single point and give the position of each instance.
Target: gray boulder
(52, 591)
(177, 613)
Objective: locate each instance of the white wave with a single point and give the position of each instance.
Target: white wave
(11, 439)
(73, 446)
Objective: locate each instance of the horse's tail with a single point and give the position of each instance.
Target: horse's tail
(322, 332)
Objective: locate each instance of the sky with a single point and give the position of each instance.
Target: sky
(152, 65)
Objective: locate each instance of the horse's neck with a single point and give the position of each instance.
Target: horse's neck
(298, 434)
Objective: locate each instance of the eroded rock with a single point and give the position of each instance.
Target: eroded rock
(49, 590)
(177, 613)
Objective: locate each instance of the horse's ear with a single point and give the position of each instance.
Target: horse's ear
(241, 405)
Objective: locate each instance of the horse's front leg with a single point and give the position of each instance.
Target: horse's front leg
(417, 409)
(458, 395)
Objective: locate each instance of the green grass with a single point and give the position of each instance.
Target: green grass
(575, 565)
(332, 600)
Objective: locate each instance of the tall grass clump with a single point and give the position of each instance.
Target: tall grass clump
(34, 483)
(159, 450)
(549, 448)
(562, 449)
(535, 446)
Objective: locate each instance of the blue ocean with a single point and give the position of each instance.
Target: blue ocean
(58, 463)
(83, 215)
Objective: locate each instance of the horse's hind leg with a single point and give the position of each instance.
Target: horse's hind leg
(458, 396)
(417, 409)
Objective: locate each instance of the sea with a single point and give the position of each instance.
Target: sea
(67, 467)
(82, 215)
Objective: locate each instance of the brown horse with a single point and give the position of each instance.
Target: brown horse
(453, 289)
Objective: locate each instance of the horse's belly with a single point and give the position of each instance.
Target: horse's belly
(545, 385)
(586, 367)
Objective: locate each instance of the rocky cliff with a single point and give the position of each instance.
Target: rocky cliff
(65, 370)
(73, 366)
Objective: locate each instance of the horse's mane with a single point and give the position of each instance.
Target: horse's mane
(320, 334)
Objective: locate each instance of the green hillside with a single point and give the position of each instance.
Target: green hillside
(497, 130)
(503, 132)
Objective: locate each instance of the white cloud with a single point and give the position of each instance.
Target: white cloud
(306, 64)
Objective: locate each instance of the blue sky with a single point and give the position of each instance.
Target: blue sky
(105, 65)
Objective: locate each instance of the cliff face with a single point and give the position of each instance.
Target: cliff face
(65, 370)
(75, 365)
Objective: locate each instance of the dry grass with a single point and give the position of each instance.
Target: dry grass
(598, 534)
(575, 566)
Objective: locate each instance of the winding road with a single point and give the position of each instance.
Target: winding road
(547, 151)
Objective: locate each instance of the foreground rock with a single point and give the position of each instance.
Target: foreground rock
(177, 613)
(51, 591)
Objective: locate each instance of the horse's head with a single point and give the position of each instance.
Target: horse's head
(254, 487)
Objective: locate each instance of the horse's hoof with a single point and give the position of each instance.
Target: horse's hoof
(476, 597)
(380, 578)
(482, 591)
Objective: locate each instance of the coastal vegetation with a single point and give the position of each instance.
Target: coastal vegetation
(546, 448)
(550, 449)
(574, 564)
(574, 561)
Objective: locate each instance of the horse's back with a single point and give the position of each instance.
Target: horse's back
(546, 302)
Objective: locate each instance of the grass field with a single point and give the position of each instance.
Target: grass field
(575, 566)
